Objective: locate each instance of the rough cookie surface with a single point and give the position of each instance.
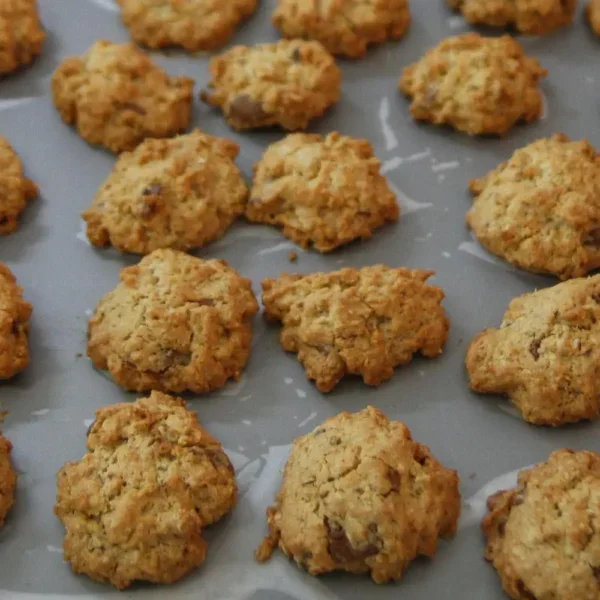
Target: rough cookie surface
(543, 537)
(174, 323)
(477, 85)
(359, 495)
(116, 96)
(287, 83)
(540, 210)
(179, 193)
(192, 25)
(343, 26)
(14, 326)
(592, 12)
(8, 478)
(546, 355)
(135, 505)
(321, 191)
(363, 322)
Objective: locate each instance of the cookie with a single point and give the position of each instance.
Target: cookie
(21, 34)
(540, 210)
(179, 193)
(15, 190)
(533, 17)
(344, 27)
(14, 325)
(116, 97)
(135, 505)
(284, 84)
(361, 322)
(475, 84)
(545, 354)
(359, 495)
(8, 478)
(173, 323)
(192, 25)
(322, 191)
(592, 12)
(543, 537)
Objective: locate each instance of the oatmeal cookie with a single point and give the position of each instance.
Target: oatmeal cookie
(14, 326)
(359, 495)
(286, 84)
(321, 191)
(543, 537)
(475, 84)
(8, 477)
(592, 12)
(344, 27)
(540, 210)
(135, 505)
(363, 322)
(192, 25)
(179, 193)
(116, 97)
(546, 354)
(174, 323)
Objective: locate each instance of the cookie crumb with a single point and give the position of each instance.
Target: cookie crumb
(292, 256)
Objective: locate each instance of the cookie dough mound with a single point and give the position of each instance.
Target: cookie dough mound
(543, 537)
(540, 210)
(8, 477)
(363, 322)
(286, 84)
(174, 323)
(359, 495)
(475, 84)
(21, 34)
(192, 25)
(15, 190)
(116, 97)
(545, 355)
(321, 191)
(343, 26)
(14, 326)
(135, 505)
(592, 12)
(179, 193)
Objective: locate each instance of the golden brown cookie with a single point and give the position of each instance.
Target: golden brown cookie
(285, 84)
(545, 355)
(343, 26)
(15, 189)
(21, 34)
(359, 495)
(543, 537)
(540, 210)
(475, 84)
(321, 191)
(135, 505)
(592, 12)
(174, 323)
(192, 24)
(14, 325)
(116, 96)
(8, 477)
(362, 322)
(179, 193)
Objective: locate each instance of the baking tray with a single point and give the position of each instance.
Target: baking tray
(52, 403)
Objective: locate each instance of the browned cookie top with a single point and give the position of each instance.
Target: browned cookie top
(8, 477)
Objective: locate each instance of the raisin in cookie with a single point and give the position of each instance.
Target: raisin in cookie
(363, 322)
(116, 97)
(321, 191)
(540, 210)
(286, 84)
(192, 25)
(543, 537)
(359, 495)
(8, 478)
(14, 326)
(15, 190)
(21, 35)
(344, 27)
(135, 505)
(475, 84)
(546, 355)
(179, 193)
(174, 323)
(592, 12)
